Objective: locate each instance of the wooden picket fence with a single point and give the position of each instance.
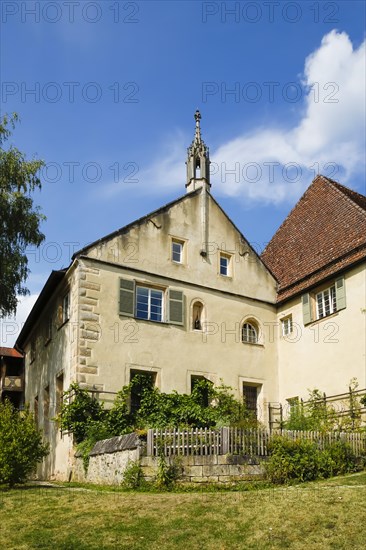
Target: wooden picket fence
(251, 442)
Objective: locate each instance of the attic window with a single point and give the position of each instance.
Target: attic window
(225, 265)
(177, 251)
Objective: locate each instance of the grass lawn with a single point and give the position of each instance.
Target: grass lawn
(328, 514)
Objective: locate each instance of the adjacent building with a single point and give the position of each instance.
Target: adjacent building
(12, 376)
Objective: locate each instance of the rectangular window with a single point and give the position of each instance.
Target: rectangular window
(140, 381)
(286, 325)
(293, 404)
(202, 390)
(317, 305)
(250, 395)
(149, 304)
(326, 302)
(225, 265)
(66, 308)
(177, 251)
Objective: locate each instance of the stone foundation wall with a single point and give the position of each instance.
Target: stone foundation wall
(109, 459)
(209, 469)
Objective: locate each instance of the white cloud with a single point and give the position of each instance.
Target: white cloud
(328, 138)
(10, 327)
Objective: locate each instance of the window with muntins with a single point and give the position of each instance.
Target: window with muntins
(177, 251)
(249, 334)
(286, 325)
(326, 302)
(149, 304)
(224, 265)
(250, 396)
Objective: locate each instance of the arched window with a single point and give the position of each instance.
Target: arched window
(197, 315)
(249, 333)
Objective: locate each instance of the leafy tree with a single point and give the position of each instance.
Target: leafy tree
(21, 446)
(19, 218)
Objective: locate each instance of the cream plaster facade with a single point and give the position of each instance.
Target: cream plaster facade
(326, 353)
(97, 342)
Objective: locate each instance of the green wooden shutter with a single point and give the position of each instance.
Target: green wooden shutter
(306, 308)
(176, 307)
(127, 297)
(340, 293)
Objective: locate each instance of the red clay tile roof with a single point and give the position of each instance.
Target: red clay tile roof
(10, 352)
(323, 234)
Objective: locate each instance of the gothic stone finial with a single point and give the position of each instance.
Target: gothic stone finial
(198, 161)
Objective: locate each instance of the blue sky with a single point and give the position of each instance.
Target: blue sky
(106, 93)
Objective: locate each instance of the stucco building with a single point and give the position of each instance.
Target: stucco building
(180, 294)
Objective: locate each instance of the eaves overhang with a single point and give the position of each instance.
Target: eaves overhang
(47, 292)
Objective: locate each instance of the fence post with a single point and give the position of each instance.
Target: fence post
(150, 442)
(224, 441)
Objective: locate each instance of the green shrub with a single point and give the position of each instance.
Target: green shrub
(21, 446)
(78, 411)
(133, 477)
(168, 472)
(303, 460)
(291, 460)
(343, 457)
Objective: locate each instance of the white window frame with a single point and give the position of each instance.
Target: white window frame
(227, 257)
(150, 290)
(249, 339)
(286, 326)
(326, 302)
(180, 252)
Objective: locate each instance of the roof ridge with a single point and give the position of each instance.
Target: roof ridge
(348, 193)
(291, 211)
(134, 222)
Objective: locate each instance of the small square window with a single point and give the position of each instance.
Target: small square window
(225, 265)
(177, 251)
(286, 325)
